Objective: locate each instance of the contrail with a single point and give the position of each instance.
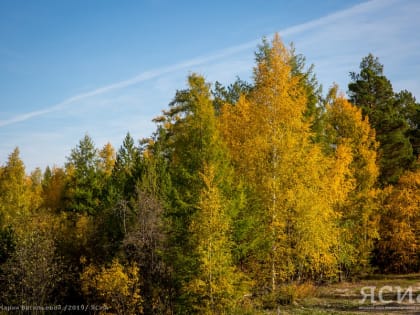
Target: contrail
(154, 73)
(142, 77)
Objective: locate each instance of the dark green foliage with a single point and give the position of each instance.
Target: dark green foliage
(84, 186)
(229, 94)
(370, 89)
(186, 140)
(7, 243)
(263, 51)
(312, 88)
(118, 191)
(410, 110)
(395, 149)
(373, 92)
(125, 172)
(190, 140)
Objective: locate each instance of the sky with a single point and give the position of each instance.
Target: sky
(106, 68)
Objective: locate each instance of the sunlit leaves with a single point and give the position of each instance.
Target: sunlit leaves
(349, 136)
(286, 175)
(116, 286)
(397, 249)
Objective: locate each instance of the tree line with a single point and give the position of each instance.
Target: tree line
(242, 193)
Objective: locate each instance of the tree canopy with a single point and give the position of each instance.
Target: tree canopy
(243, 194)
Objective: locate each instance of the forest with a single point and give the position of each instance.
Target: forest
(244, 195)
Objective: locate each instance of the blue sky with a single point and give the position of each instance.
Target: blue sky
(108, 67)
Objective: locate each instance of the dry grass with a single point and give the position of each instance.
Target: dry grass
(345, 298)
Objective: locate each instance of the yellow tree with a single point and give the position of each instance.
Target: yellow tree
(215, 284)
(346, 128)
(107, 158)
(31, 270)
(399, 243)
(34, 183)
(288, 178)
(15, 192)
(116, 286)
(54, 184)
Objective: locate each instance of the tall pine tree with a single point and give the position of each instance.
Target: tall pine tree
(193, 147)
(373, 93)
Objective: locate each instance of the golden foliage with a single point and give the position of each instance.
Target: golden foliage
(399, 241)
(107, 159)
(351, 140)
(15, 190)
(215, 285)
(116, 286)
(288, 176)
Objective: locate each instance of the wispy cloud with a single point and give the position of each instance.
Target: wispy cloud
(158, 72)
(142, 77)
(337, 16)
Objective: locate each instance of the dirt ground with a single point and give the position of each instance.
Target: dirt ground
(378, 294)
